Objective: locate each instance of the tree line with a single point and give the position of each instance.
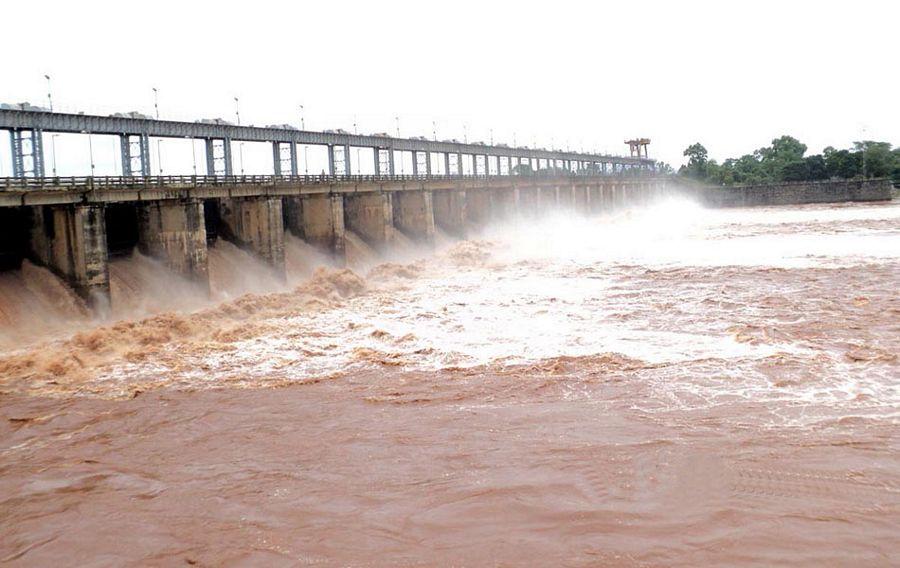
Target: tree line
(786, 160)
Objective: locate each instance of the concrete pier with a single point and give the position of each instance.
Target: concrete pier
(547, 198)
(74, 230)
(70, 240)
(504, 204)
(371, 216)
(174, 232)
(318, 219)
(413, 213)
(581, 199)
(450, 211)
(528, 202)
(478, 207)
(256, 224)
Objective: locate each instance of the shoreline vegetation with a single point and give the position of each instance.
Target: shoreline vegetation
(785, 160)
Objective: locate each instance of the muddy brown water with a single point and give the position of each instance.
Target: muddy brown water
(669, 386)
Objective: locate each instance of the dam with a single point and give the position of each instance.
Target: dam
(72, 225)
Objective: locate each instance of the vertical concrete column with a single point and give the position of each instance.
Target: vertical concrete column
(276, 158)
(391, 168)
(211, 159)
(450, 211)
(447, 164)
(70, 240)
(459, 163)
(331, 170)
(174, 231)
(377, 153)
(318, 219)
(415, 163)
(580, 198)
(597, 203)
(413, 214)
(257, 225)
(370, 215)
(348, 167)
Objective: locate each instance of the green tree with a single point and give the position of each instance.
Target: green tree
(876, 158)
(522, 170)
(783, 160)
(748, 169)
(816, 168)
(664, 168)
(842, 163)
(697, 161)
(786, 160)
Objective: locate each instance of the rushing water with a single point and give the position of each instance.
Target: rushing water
(667, 385)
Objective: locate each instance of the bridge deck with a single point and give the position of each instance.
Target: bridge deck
(17, 192)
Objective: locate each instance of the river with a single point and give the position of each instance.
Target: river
(668, 385)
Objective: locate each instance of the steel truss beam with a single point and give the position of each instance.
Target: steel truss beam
(27, 152)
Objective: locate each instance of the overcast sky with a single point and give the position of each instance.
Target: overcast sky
(732, 75)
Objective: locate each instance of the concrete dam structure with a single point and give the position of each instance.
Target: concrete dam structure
(73, 226)
(797, 193)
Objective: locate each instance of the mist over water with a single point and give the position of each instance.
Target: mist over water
(664, 384)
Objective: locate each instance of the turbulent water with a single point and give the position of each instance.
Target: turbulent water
(667, 385)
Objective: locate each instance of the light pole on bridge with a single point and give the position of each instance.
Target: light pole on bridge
(53, 149)
(397, 120)
(305, 155)
(237, 112)
(156, 101)
(49, 92)
(158, 141)
(90, 149)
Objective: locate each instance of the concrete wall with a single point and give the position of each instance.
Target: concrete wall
(528, 201)
(581, 198)
(836, 191)
(478, 207)
(548, 198)
(70, 240)
(318, 219)
(504, 204)
(256, 224)
(450, 211)
(371, 216)
(413, 214)
(175, 232)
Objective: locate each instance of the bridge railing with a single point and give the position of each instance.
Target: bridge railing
(87, 183)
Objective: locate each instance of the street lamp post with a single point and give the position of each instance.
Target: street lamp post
(53, 149)
(397, 120)
(156, 102)
(356, 131)
(49, 91)
(194, 154)
(91, 152)
(237, 112)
